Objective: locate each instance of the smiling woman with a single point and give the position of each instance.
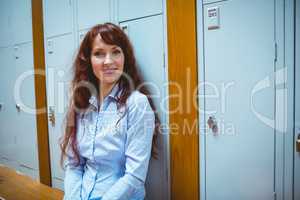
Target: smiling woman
(107, 63)
(110, 124)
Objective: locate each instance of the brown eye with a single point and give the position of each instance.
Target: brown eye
(116, 52)
(99, 54)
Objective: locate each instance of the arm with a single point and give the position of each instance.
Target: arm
(137, 150)
(73, 180)
(73, 174)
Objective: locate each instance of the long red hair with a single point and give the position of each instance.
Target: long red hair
(82, 71)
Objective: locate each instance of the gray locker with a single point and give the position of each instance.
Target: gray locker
(5, 21)
(8, 120)
(93, 12)
(149, 51)
(148, 44)
(24, 99)
(238, 58)
(297, 106)
(137, 9)
(18, 127)
(59, 57)
(60, 51)
(21, 21)
(58, 17)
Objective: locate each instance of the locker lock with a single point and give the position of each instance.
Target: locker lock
(18, 107)
(52, 115)
(212, 124)
(298, 143)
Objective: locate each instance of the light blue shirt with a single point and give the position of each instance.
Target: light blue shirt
(114, 147)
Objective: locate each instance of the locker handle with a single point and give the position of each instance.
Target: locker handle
(125, 28)
(213, 124)
(298, 143)
(52, 115)
(18, 107)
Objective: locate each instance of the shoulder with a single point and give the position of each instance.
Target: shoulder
(137, 98)
(138, 102)
(139, 109)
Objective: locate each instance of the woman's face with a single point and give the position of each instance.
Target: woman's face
(107, 61)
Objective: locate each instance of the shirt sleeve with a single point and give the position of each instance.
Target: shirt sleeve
(73, 174)
(141, 122)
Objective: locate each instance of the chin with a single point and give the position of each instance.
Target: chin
(110, 81)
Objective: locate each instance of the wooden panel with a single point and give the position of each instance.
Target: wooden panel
(16, 186)
(40, 91)
(182, 64)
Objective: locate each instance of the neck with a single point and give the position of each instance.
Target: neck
(104, 90)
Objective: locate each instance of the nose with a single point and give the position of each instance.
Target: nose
(108, 59)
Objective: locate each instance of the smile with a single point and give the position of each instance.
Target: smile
(109, 71)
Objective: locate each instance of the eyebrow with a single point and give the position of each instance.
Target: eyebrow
(101, 49)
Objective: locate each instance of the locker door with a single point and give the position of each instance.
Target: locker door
(5, 31)
(59, 58)
(93, 12)
(21, 21)
(239, 100)
(7, 111)
(137, 9)
(149, 51)
(58, 17)
(297, 106)
(24, 102)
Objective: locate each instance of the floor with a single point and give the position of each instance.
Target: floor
(14, 186)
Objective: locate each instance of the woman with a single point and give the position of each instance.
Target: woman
(110, 123)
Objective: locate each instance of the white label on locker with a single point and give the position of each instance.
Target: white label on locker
(16, 52)
(213, 19)
(50, 46)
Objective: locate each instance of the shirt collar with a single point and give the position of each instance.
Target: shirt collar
(113, 94)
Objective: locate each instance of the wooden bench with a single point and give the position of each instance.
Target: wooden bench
(14, 186)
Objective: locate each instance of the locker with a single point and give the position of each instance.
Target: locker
(58, 17)
(59, 57)
(137, 9)
(22, 24)
(7, 132)
(238, 55)
(148, 44)
(297, 106)
(5, 21)
(60, 51)
(23, 56)
(93, 12)
(18, 147)
(24, 100)
(149, 51)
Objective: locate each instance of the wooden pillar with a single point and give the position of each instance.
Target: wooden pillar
(40, 92)
(182, 64)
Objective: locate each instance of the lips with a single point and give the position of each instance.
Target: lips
(110, 71)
